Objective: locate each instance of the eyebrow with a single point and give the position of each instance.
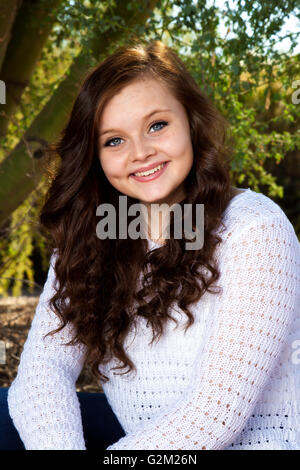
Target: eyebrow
(106, 131)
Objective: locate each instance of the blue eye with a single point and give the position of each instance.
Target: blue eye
(115, 140)
(157, 126)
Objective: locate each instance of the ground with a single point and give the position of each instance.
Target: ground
(16, 315)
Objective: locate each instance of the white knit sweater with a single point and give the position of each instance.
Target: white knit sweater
(231, 382)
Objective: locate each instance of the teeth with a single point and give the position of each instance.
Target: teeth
(146, 173)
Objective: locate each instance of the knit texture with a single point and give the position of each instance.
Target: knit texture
(232, 381)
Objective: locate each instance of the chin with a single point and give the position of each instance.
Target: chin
(155, 200)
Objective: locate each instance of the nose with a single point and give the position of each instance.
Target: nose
(141, 148)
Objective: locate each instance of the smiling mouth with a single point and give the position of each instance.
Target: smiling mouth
(149, 172)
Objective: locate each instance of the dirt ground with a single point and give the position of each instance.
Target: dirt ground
(16, 314)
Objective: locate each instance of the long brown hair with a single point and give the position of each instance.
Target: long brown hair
(96, 290)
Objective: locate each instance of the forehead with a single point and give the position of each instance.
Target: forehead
(138, 99)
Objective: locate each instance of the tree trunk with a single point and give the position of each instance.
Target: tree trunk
(30, 31)
(8, 11)
(21, 170)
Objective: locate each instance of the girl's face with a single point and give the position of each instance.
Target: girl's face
(142, 127)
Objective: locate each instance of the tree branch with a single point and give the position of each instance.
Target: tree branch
(21, 170)
(32, 26)
(8, 11)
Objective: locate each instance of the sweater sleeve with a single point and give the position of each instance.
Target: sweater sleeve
(42, 399)
(260, 274)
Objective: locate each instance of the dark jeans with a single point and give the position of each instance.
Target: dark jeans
(100, 425)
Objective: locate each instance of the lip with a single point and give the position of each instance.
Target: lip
(146, 168)
(157, 174)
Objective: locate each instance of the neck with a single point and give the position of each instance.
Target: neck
(156, 215)
(155, 220)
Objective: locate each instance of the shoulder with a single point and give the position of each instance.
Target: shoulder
(254, 225)
(250, 211)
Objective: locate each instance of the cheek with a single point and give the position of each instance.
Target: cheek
(178, 145)
(112, 167)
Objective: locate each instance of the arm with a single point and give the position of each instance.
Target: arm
(42, 398)
(250, 324)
